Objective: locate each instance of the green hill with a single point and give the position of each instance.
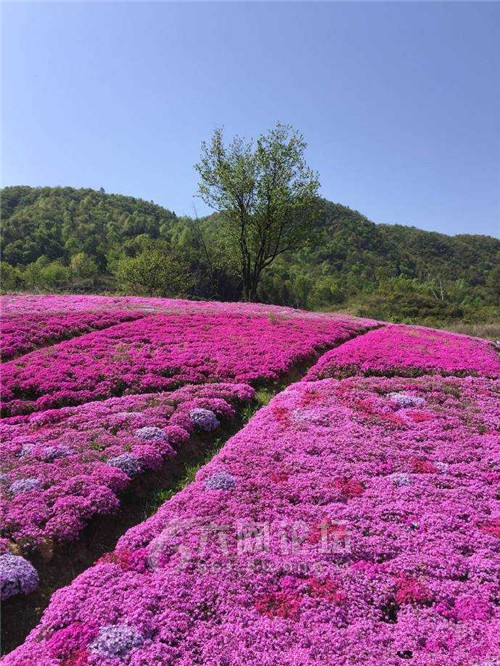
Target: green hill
(67, 239)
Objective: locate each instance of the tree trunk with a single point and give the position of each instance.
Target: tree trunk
(250, 289)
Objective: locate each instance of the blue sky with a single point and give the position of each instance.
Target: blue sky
(399, 102)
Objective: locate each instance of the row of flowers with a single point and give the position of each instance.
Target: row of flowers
(409, 351)
(62, 467)
(32, 304)
(22, 333)
(32, 321)
(164, 351)
(350, 522)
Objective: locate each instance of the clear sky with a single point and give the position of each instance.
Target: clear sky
(399, 102)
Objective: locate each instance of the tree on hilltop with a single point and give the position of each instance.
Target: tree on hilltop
(266, 194)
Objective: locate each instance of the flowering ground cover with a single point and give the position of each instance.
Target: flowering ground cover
(62, 467)
(57, 304)
(33, 304)
(26, 332)
(409, 351)
(350, 522)
(54, 304)
(165, 351)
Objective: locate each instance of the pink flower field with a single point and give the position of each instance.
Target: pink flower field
(342, 525)
(165, 351)
(355, 519)
(409, 351)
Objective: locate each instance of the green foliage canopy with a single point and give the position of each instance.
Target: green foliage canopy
(267, 197)
(154, 272)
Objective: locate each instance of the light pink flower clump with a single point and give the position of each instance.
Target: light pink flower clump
(409, 351)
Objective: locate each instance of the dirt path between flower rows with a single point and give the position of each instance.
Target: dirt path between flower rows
(20, 614)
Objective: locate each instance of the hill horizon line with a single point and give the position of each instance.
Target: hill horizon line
(208, 215)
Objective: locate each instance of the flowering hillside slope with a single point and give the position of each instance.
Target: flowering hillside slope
(350, 522)
(63, 465)
(409, 351)
(165, 351)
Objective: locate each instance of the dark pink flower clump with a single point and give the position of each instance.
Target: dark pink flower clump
(491, 527)
(349, 487)
(327, 529)
(328, 590)
(279, 604)
(409, 590)
(70, 644)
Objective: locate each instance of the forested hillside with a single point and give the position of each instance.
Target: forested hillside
(64, 239)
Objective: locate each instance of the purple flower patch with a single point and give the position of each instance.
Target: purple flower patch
(150, 432)
(400, 479)
(127, 463)
(116, 640)
(26, 451)
(17, 576)
(220, 481)
(51, 453)
(24, 485)
(204, 419)
(405, 400)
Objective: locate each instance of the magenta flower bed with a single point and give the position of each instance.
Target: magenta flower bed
(32, 304)
(62, 467)
(36, 304)
(165, 351)
(409, 351)
(58, 304)
(351, 522)
(23, 333)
